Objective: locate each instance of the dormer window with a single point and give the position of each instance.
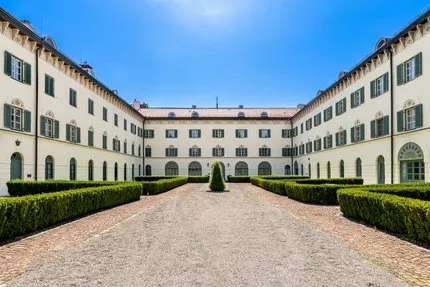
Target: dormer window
(194, 114)
(241, 115)
(171, 115)
(264, 115)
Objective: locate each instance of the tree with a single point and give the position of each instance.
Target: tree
(217, 180)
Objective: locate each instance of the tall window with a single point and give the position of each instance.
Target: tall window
(194, 133)
(379, 86)
(171, 133)
(49, 86)
(217, 133)
(409, 70)
(148, 151)
(17, 69)
(328, 114)
(148, 170)
(115, 120)
(72, 169)
(90, 170)
(218, 151)
(171, 152)
(328, 142)
(73, 133)
(195, 152)
(410, 118)
(341, 138)
(328, 170)
(241, 133)
(342, 169)
(357, 98)
(105, 114)
(90, 137)
(380, 127)
(317, 119)
(412, 166)
(49, 167)
(296, 168)
(341, 107)
(73, 98)
(90, 107)
(380, 169)
(264, 151)
(358, 168)
(115, 171)
(318, 170)
(16, 166)
(105, 171)
(241, 169)
(125, 172)
(241, 151)
(194, 169)
(264, 168)
(357, 133)
(171, 169)
(264, 133)
(287, 169)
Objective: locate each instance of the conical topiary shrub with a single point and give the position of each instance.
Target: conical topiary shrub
(217, 180)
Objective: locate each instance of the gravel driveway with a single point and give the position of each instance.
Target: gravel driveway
(199, 238)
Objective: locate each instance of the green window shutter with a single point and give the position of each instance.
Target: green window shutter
(189, 133)
(7, 63)
(325, 142)
(46, 84)
(373, 89)
(419, 64)
(385, 82)
(400, 74)
(27, 73)
(337, 139)
(78, 133)
(400, 127)
(419, 116)
(7, 116)
(373, 129)
(199, 133)
(386, 125)
(56, 129)
(344, 136)
(344, 105)
(42, 125)
(362, 132)
(27, 121)
(68, 132)
(353, 104)
(52, 86)
(362, 95)
(352, 135)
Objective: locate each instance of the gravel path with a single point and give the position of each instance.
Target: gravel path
(198, 238)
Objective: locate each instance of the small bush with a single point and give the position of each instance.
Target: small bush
(152, 178)
(217, 180)
(314, 193)
(24, 214)
(162, 185)
(232, 178)
(198, 179)
(403, 215)
(27, 187)
(353, 180)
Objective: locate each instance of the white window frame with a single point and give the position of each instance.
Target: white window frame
(241, 133)
(171, 133)
(265, 133)
(379, 86)
(194, 133)
(218, 152)
(241, 152)
(49, 127)
(409, 118)
(195, 152)
(17, 116)
(17, 69)
(172, 152)
(410, 70)
(218, 133)
(73, 133)
(264, 152)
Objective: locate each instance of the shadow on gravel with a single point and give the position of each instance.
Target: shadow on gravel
(217, 191)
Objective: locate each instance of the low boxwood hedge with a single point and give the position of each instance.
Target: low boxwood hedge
(162, 185)
(232, 178)
(352, 180)
(283, 177)
(397, 214)
(276, 186)
(25, 214)
(417, 191)
(28, 187)
(314, 193)
(152, 178)
(198, 179)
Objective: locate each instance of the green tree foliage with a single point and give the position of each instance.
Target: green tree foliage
(217, 180)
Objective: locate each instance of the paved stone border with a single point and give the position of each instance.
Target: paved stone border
(402, 258)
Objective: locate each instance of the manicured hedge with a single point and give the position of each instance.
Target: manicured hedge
(27, 187)
(152, 178)
(198, 179)
(217, 180)
(417, 191)
(314, 193)
(282, 177)
(162, 185)
(276, 186)
(353, 180)
(25, 214)
(403, 215)
(232, 178)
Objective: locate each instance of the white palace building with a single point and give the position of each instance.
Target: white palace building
(57, 121)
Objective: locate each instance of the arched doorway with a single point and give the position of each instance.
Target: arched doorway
(241, 169)
(49, 168)
(264, 168)
(16, 166)
(380, 169)
(148, 170)
(287, 169)
(411, 158)
(171, 169)
(72, 169)
(194, 169)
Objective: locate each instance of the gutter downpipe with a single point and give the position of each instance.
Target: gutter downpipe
(36, 116)
(143, 147)
(391, 115)
(292, 146)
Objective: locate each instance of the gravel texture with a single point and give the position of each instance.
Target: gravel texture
(199, 238)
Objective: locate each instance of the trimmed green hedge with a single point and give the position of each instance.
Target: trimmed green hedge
(152, 178)
(276, 186)
(281, 177)
(417, 191)
(232, 178)
(198, 179)
(162, 185)
(352, 180)
(25, 214)
(217, 180)
(27, 187)
(314, 193)
(397, 214)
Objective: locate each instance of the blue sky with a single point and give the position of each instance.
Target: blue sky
(184, 52)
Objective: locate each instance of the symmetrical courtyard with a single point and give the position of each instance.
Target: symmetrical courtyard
(190, 237)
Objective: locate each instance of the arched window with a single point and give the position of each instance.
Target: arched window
(49, 167)
(148, 170)
(241, 169)
(318, 170)
(125, 172)
(115, 171)
(140, 170)
(287, 169)
(72, 169)
(358, 168)
(296, 168)
(171, 169)
(309, 170)
(91, 170)
(16, 166)
(194, 169)
(132, 171)
(380, 169)
(328, 170)
(341, 169)
(105, 171)
(264, 168)
(302, 170)
(411, 158)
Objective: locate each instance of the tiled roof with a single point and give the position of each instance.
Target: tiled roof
(280, 113)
